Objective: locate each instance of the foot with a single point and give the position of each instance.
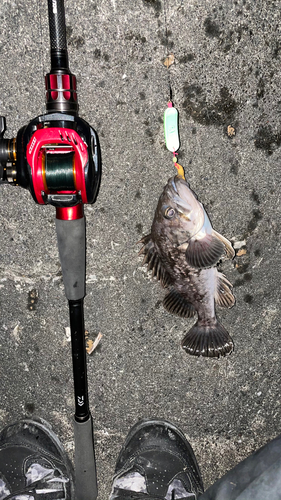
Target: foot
(33, 463)
(156, 462)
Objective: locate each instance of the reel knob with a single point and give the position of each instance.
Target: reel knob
(11, 172)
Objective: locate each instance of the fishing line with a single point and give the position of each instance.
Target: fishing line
(167, 52)
(171, 116)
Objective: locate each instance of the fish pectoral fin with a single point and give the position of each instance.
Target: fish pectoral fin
(175, 303)
(153, 260)
(211, 341)
(223, 295)
(230, 252)
(204, 252)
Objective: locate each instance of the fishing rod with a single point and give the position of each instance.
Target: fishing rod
(57, 158)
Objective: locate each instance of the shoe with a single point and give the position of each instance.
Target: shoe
(156, 462)
(33, 463)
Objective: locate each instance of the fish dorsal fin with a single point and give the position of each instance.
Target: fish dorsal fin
(224, 296)
(153, 260)
(203, 252)
(175, 303)
(230, 252)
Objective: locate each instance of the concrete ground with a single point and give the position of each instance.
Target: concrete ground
(226, 86)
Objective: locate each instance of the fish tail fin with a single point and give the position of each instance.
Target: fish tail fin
(211, 341)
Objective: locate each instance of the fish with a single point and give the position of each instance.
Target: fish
(182, 251)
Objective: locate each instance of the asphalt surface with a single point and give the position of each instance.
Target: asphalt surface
(226, 86)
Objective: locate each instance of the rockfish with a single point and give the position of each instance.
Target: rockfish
(182, 251)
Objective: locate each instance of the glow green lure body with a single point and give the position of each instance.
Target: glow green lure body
(171, 131)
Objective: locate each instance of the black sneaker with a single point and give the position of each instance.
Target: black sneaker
(33, 463)
(156, 462)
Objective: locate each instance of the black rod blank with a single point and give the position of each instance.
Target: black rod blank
(79, 360)
(59, 55)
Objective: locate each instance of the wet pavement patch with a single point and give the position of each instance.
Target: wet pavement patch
(196, 106)
(211, 28)
(267, 139)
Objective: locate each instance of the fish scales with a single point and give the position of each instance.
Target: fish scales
(182, 251)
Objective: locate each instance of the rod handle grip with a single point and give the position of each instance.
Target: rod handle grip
(71, 235)
(85, 464)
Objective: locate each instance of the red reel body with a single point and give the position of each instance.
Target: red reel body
(56, 141)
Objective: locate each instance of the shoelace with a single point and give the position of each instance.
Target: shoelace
(31, 488)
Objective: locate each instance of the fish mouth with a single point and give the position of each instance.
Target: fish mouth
(184, 208)
(173, 184)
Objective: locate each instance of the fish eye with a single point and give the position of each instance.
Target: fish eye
(169, 213)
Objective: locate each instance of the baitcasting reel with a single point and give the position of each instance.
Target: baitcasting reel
(56, 156)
